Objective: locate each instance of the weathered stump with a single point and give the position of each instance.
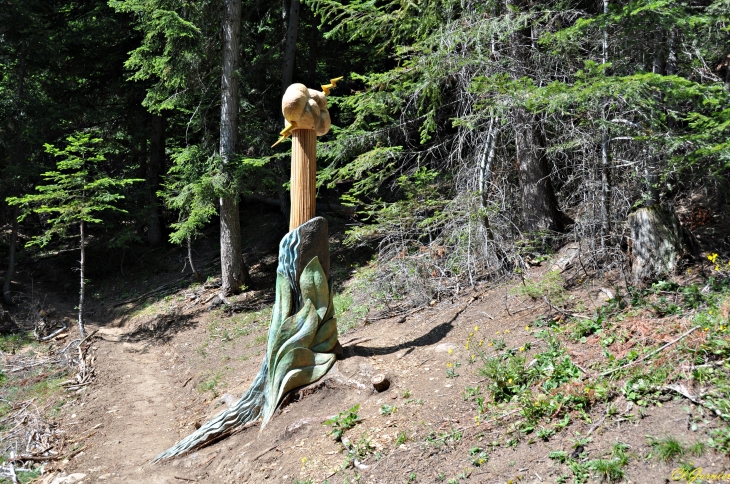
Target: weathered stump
(657, 242)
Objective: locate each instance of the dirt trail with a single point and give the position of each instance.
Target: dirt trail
(135, 421)
(149, 395)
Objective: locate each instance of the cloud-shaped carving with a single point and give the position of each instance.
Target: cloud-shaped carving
(305, 108)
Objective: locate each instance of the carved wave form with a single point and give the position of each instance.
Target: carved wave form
(302, 334)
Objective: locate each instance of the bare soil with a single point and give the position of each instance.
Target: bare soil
(150, 392)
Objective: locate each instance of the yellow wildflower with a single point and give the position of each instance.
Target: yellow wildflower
(471, 334)
(497, 333)
(712, 257)
(527, 328)
(476, 328)
(491, 343)
(304, 460)
(467, 346)
(451, 350)
(506, 331)
(522, 348)
(509, 381)
(448, 365)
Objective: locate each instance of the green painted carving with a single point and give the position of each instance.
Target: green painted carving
(302, 336)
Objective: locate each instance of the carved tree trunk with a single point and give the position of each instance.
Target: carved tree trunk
(233, 271)
(657, 242)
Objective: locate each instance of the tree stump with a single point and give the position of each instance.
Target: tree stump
(381, 382)
(657, 242)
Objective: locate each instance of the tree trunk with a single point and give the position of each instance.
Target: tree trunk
(605, 155)
(154, 169)
(290, 45)
(657, 242)
(190, 259)
(605, 186)
(233, 271)
(11, 258)
(539, 204)
(82, 286)
(17, 159)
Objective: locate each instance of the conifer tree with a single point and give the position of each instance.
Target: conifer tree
(75, 194)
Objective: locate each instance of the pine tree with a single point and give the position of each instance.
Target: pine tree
(75, 194)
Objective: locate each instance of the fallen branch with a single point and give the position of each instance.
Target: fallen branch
(650, 354)
(55, 333)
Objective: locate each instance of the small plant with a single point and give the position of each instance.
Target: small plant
(412, 477)
(210, 385)
(667, 448)
(471, 392)
(343, 422)
(479, 457)
(401, 439)
(387, 409)
(499, 344)
(550, 287)
(697, 449)
(406, 393)
(545, 433)
(559, 455)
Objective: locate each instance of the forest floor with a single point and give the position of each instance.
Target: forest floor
(500, 384)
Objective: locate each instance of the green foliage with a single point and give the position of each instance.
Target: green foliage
(666, 448)
(550, 286)
(387, 410)
(343, 422)
(77, 191)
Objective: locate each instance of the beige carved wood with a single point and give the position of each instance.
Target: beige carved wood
(306, 116)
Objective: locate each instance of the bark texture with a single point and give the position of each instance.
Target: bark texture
(657, 243)
(539, 203)
(290, 45)
(233, 271)
(17, 159)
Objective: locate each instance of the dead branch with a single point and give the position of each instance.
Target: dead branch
(650, 354)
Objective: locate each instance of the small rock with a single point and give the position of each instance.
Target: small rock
(70, 479)
(445, 347)
(217, 301)
(140, 347)
(227, 399)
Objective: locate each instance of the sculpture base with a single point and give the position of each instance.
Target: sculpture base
(302, 341)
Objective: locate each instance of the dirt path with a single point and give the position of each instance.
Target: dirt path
(136, 413)
(422, 429)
